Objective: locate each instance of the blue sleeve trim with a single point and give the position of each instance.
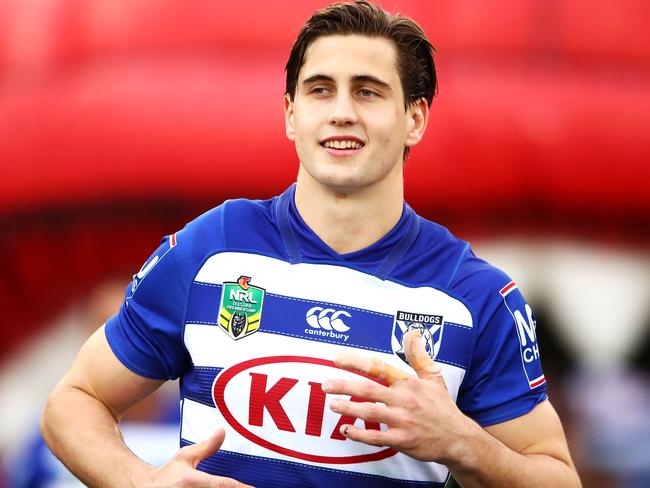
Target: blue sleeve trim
(118, 341)
(497, 415)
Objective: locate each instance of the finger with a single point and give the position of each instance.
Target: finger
(362, 389)
(367, 436)
(374, 367)
(206, 448)
(417, 356)
(368, 411)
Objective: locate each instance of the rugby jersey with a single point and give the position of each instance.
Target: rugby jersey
(249, 308)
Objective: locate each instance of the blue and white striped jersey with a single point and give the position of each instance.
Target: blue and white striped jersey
(249, 308)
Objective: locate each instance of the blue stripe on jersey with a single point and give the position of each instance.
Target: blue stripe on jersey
(453, 349)
(204, 302)
(197, 384)
(276, 473)
(287, 316)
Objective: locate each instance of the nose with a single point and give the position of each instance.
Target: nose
(342, 110)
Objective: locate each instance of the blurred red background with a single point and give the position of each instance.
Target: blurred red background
(119, 121)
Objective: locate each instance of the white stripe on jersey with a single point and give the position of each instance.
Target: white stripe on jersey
(333, 284)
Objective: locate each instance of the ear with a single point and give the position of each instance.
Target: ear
(418, 116)
(288, 118)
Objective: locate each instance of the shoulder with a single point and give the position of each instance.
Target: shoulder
(441, 259)
(464, 267)
(504, 379)
(147, 333)
(247, 224)
(220, 227)
(213, 224)
(477, 276)
(434, 257)
(180, 254)
(484, 288)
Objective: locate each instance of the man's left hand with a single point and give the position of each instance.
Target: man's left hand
(422, 419)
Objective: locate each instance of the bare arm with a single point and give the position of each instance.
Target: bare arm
(425, 423)
(527, 451)
(80, 425)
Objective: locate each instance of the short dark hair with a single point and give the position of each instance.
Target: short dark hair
(415, 65)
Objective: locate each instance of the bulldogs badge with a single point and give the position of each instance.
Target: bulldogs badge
(430, 326)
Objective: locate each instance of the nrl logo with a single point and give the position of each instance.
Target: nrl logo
(430, 327)
(241, 307)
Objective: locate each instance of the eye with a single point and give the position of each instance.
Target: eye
(366, 93)
(319, 90)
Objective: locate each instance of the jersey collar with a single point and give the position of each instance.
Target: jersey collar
(379, 259)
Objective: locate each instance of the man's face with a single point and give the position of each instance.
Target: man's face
(347, 118)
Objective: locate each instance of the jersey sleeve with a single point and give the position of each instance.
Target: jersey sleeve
(504, 379)
(146, 334)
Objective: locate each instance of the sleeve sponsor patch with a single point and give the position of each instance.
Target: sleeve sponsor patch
(525, 324)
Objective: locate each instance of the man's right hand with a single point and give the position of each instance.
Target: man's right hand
(80, 424)
(181, 470)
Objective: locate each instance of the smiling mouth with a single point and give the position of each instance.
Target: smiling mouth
(342, 145)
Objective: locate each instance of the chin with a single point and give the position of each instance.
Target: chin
(345, 186)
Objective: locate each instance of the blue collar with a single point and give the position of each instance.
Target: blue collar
(380, 258)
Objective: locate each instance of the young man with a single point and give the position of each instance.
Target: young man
(250, 303)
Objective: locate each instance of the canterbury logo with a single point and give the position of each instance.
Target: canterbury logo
(327, 318)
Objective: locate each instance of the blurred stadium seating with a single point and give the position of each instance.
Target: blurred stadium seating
(119, 121)
(541, 123)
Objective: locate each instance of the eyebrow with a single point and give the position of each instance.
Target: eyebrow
(355, 79)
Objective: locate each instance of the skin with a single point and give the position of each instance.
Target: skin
(80, 425)
(425, 423)
(348, 87)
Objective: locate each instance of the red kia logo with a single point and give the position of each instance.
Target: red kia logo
(277, 403)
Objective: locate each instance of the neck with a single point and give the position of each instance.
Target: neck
(352, 220)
